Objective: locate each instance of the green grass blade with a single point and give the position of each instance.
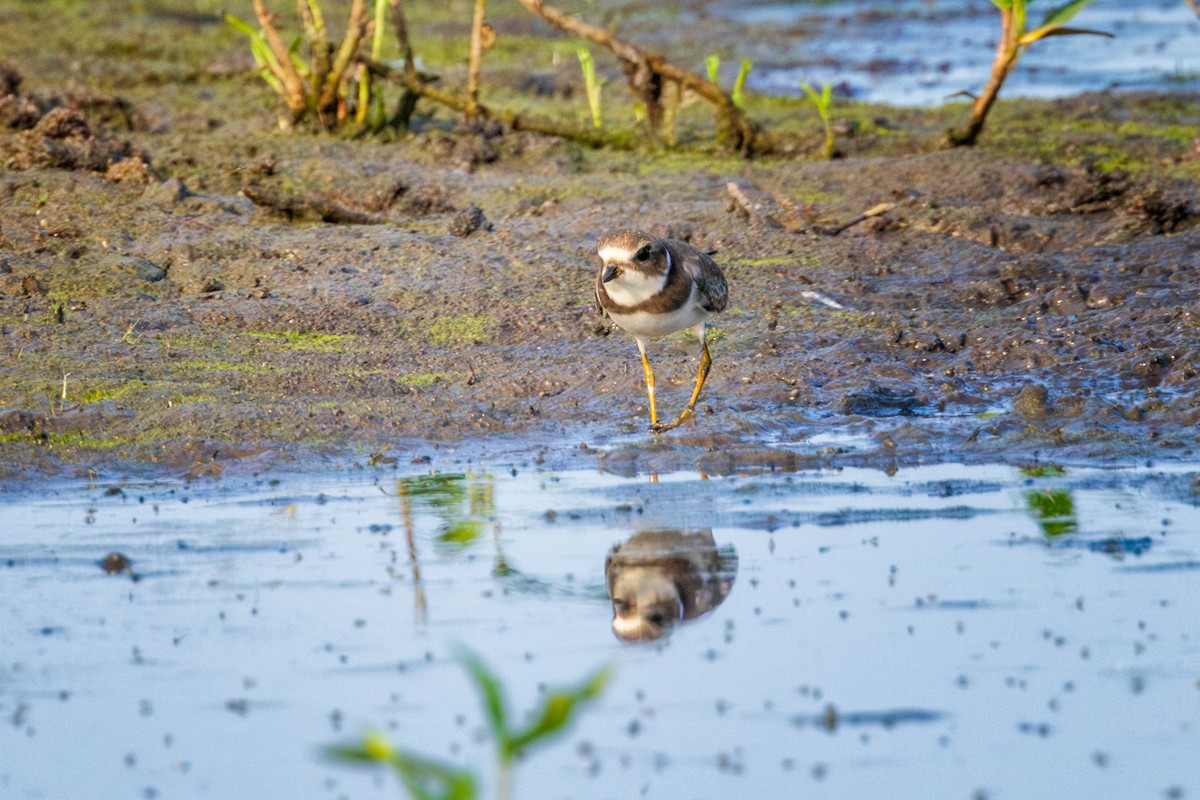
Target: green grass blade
(381, 7)
(713, 65)
(424, 778)
(1060, 16)
(738, 95)
(1045, 33)
(258, 45)
(490, 692)
(812, 94)
(558, 711)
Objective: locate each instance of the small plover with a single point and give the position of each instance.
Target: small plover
(653, 287)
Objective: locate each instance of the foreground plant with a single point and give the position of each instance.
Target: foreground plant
(1014, 38)
(430, 779)
(824, 104)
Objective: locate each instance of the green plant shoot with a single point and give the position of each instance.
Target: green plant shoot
(262, 54)
(824, 103)
(557, 710)
(713, 65)
(738, 95)
(592, 84)
(1014, 39)
(428, 779)
(424, 778)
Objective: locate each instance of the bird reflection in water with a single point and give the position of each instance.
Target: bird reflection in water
(664, 576)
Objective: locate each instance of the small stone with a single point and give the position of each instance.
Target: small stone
(1032, 401)
(467, 221)
(115, 563)
(167, 193)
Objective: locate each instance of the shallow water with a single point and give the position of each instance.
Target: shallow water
(948, 629)
(920, 52)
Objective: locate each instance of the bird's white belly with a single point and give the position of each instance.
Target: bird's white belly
(648, 325)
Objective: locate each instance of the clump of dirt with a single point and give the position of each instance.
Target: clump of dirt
(53, 131)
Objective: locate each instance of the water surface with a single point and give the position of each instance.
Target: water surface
(960, 631)
(921, 52)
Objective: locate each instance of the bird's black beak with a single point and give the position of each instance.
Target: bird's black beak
(610, 272)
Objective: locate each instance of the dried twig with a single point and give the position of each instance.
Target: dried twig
(873, 211)
(312, 206)
(647, 73)
(1195, 6)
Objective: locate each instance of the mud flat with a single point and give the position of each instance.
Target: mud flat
(184, 288)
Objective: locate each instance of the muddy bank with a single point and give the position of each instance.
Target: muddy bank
(183, 287)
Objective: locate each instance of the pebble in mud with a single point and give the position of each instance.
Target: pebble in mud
(467, 221)
(115, 563)
(1032, 402)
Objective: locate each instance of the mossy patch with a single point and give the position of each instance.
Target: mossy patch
(300, 340)
(460, 329)
(114, 392)
(420, 380)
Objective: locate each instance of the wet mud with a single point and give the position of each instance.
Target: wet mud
(184, 287)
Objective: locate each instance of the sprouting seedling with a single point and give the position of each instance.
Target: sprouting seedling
(592, 84)
(738, 95)
(557, 711)
(823, 102)
(1014, 38)
(128, 337)
(713, 65)
(424, 778)
(430, 779)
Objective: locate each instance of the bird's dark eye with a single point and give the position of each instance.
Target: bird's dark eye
(644, 253)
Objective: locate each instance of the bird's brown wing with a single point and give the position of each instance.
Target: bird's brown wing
(711, 288)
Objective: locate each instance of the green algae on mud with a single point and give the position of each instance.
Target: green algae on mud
(186, 321)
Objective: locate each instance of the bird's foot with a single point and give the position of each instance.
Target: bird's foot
(663, 427)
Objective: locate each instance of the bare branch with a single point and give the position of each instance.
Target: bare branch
(647, 72)
(589, 136)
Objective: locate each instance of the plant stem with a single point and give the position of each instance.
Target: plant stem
(504, 781)
(475, 59)
(1007, 53)
(281, 66)
(355, 26)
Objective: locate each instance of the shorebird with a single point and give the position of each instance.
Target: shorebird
(652, 287)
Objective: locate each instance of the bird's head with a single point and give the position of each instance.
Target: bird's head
(623, 252)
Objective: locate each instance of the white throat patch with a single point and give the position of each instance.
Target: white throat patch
(632, 287)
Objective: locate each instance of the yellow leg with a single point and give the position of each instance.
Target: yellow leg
(648, 373)
(705, 366)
